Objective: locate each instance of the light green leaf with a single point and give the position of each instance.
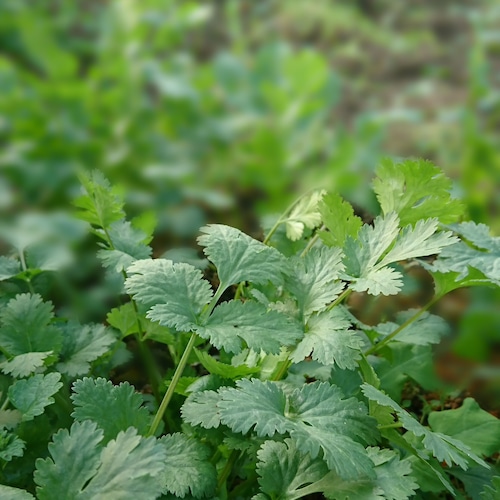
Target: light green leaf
(470, 424)
(238, 257)
(101, 205)
(97, 399)
(200, 408)
(127, 246)
(479, 235)
(330, 341)
(443, 447)
(234, 321)
(30, 396)
(10, 446)
(415, 190)
(83, 344)
(338, 216)
(80, 468)
(283, 471)
(8, 268)
(24, 364)
(9, 493)
(10, 418)
(188, 468)
(386, 281)
(26, 326)
(305, 214)
(124, 319)
(224, 370)
(446, 282)
(314, 279)
(174, 293)
(316, 417)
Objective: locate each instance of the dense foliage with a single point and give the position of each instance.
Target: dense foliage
(261, 381)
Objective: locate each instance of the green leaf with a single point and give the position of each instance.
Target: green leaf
(283, 471)
(492, 492)
(24, 364)
(224, 370)
(30, 396)
(174, 293)
(127, 246)
(470, 424)
(415, 190)
(83, 344)
(426, 329)
(26, 326)
(446, 282)
(97, 399)
(305, 214)
(314, 279)
(200, 408)
(459, 258)
(238, 257)
(188, 468)
(338, 216)
(443, 447)
(475, 480)
(330, 341)
(10, 446)
(234, 321)
(316, 417)
(124, 319)
(8, 268)
(101, 205)
(81, 468)
(14, 493)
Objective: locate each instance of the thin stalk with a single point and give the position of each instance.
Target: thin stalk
(5, 404)
(173, 383)
(312, 241)
(395, 425)
(25, 268)
(283, 368)
(340, 298)
(397, 331)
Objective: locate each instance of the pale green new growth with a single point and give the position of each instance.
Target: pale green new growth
(338, 216)
(330, 341)
(30, 396)
(80, 468)
(187, 467)
(415, 190)
(238, 257)
(224, 370)
(175, 294)
(314, 278)
(443, 447)
(97, 399)
(305, 214)
(234, 321)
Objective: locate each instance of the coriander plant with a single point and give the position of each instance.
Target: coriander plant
(274, 388)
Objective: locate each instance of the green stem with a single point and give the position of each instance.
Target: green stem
(340, 298)
(282, 370)
(312, 241)
(395, 425)
(173, 383)
(227, 468)
(397, 331)
(25, 268)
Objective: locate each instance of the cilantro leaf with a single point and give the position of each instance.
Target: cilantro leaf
(224, 370)
(238, 257)
(24, 364)
(415, 189)
(8, 268)
(127, 246)
(443, 447)
(174, 293)
(83, 344)
(26, 326)
(338, 216)
(314, 280)
(97, 399)
(10, 446)
(305, 214)
(329, 341)
(492, 492)
(124, 319)
(80, 467)
(10, 493)
(101, 205)
(234, 321)
(188, 468)
(316, 417)
(30, 396)
(200, 408)
(475, 427)
(283, 471)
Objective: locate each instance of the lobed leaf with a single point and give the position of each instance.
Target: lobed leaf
(8, 268)
(24, 365)
(305, 214)
(233, 322)
(238, 257)
(175, 294)
(11, 446)
(98, 399)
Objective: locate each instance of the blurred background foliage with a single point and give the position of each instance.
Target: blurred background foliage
(226, 110)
